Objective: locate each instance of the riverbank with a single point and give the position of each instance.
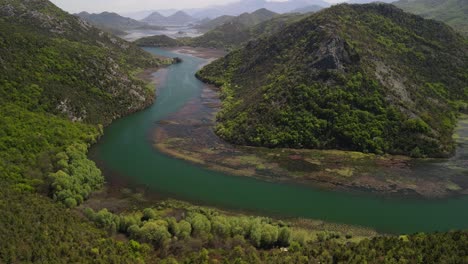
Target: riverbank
(188, 134)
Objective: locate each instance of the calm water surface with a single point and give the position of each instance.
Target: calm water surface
(127, 149)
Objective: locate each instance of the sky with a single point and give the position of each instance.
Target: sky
(124, 6)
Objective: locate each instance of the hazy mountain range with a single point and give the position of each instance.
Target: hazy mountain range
(236, 8)
(452, 12)
(114, 22)
(176, 19)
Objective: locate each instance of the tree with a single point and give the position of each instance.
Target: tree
(200, 224)
(221, 226)
(284, 237)
(185, 229)
(148, 214)
(155, 232)
(269, 235)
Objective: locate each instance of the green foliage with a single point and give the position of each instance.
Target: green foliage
(158, 41)
(77, 178)
(35, 230)
(60, 80)
(201, 225)
(155, 232)
(388, 86)
(149, 214)
(185, 229)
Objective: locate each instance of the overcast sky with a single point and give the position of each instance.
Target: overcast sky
(74, 6)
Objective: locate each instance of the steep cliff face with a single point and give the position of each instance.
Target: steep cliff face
(76, 70)
(360, 77)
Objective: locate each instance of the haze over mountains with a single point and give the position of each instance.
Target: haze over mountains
(452, 12)
(237, 8)
(114, 22)
(177, 19)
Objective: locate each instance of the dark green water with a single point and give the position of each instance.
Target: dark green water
(126, 148)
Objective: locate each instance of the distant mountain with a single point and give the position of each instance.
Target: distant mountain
(158, 41)
(114, 22)
(369, 1)
(155, 18)
(213, 23)
(452, 12)
(369, 78)
(138, 15)
(177, 19)
(232, 34)
(243, 6)
(180, 18)
(307, 9)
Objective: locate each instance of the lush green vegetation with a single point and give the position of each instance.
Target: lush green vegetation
(181, 233)
(34, 230)
(166, 226)
(158, 41)
(452, 12)
(358, 77)
(55, 69)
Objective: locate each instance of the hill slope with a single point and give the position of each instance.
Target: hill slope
(233, 32)
(361, 77)
(55, 69)
(214, 23)
(114, 22)
(452, 12)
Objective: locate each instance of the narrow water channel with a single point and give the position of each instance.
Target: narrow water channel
(127, 150)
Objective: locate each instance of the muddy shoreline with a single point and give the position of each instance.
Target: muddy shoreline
(189, 135)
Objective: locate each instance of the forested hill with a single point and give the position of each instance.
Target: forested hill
(55, 69)
(452, 12)
(360, 77)
(231, 34)
(234, 32)
(115, 23)
(68, 66)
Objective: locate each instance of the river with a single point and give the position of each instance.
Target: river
(127, 149)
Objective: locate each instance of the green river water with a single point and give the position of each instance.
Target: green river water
(127, 150)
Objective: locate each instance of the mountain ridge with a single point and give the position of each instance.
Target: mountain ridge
(115, 23)
(179, 18)
(343, 57)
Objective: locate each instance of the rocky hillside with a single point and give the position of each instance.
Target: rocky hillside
(369, 77)
(452, 12)
(115, 23)
(76, 70)
(60, 80)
